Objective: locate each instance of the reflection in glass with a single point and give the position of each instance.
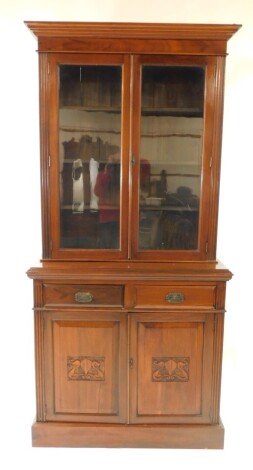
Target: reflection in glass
(89, 150)
(171, 157)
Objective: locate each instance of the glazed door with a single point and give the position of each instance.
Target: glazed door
(171, 368)
(88, 141)
(85, 366)
(132, 176)
(173, 110)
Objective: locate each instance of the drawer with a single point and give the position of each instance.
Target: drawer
(93, 295)
(176, 296)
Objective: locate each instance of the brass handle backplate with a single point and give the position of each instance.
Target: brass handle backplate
(174, 297)
(83, 297)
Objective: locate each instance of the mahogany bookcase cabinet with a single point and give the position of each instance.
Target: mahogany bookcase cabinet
(129, 298)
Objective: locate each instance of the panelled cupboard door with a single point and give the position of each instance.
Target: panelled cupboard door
(85, 366)
(172, 358)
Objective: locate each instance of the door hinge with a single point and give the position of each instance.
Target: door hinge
(51, 246)
(206, 247)
(48, 68)
(131, 363)
(211, 162)
(49, 161)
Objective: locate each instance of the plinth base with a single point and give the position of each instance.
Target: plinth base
(207, 436)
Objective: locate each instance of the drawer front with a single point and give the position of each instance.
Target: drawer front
(175, 296)
(88, 295)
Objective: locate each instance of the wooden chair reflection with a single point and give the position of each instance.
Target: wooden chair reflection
(178, 232)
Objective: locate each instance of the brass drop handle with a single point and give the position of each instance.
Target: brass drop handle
(83, 297)
(174, 297)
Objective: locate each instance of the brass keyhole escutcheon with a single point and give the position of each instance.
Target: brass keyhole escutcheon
(131, 363)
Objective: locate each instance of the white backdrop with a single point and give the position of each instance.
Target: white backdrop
(21, 238)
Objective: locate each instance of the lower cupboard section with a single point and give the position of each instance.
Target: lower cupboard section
(129, 368)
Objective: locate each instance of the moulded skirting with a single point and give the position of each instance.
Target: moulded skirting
(204, 436)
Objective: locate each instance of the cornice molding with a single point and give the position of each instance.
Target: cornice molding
(43, 29)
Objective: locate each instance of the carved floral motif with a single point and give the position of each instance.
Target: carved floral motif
(90, 368)
(170, 369)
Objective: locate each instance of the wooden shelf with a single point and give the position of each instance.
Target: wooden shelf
(93, 109)
(164, 111)
(150, 111)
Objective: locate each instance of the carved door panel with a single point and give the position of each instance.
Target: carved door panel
(172, 357)
(85, 366)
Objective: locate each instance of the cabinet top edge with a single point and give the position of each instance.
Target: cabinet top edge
(195, 31)
(129, 271)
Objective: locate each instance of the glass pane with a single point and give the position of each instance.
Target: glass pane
(171, 157)
(90, 156)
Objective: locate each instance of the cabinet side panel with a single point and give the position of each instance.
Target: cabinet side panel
(44, 154)
(215, 154)
(39, 352)
(217, 366)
